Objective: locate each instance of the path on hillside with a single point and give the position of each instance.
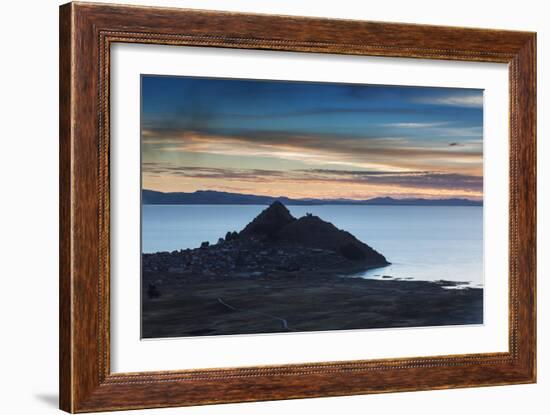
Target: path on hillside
(282, 320)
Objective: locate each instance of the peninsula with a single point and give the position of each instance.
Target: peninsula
(283, 274)
(274, 243)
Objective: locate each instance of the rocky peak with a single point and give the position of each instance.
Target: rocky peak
(270, 221)
(312, 231)
(277, 224)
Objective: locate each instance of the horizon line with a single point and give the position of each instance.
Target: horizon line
(321, 198)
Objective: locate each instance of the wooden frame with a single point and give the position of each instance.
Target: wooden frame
(86, 33)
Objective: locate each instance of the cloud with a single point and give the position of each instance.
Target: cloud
(416, 124)
(194, 172)
(413, 179)
(418, 179)
(202, 120)
(472, 99)
(381, 153)
(443, 130)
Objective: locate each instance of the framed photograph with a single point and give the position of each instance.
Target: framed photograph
(260, 207)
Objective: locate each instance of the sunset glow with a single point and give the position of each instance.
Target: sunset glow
(311, 140)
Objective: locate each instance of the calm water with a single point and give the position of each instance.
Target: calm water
(424, 243)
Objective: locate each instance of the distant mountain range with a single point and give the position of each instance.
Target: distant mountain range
(211, 197)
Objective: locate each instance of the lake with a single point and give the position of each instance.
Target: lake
(422, 242)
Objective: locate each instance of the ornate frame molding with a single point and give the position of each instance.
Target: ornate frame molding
(87, 31)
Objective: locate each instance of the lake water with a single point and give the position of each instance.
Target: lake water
(422, 242)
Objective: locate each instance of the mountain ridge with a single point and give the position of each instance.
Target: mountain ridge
(212, 197)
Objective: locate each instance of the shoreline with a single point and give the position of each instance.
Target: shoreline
(300, 303)
(282, 273)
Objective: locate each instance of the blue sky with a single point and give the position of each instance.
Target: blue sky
(302, 139)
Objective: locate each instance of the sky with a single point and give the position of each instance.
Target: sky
(310, 140)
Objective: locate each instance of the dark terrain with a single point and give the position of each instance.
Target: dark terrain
(282, 274)
(212, 197)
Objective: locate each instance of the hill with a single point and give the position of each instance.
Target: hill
(211, 197)
(274, 242)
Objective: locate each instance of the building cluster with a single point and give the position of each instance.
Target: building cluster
(240, 257)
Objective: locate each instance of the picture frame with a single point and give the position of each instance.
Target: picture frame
(87, 32)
